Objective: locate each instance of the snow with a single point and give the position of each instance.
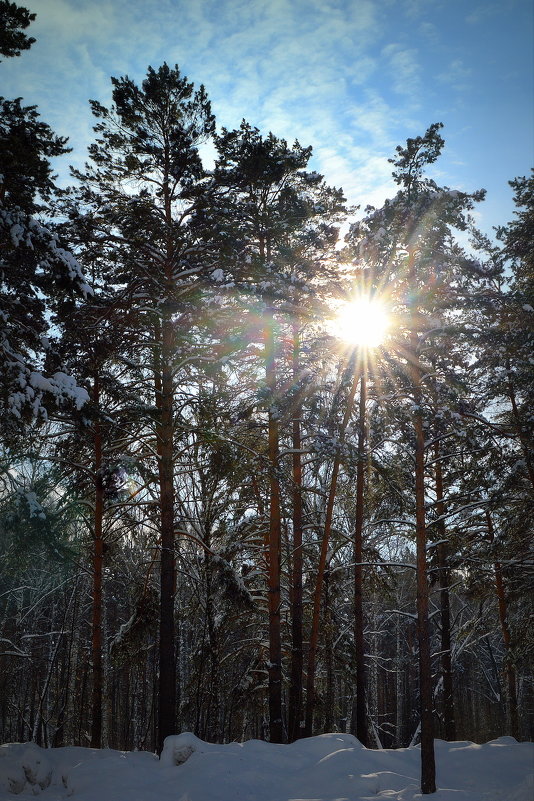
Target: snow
(331, 767)
(60, 384)
(25, 230)
(34, 507)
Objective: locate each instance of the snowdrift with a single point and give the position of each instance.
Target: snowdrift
(331, 767)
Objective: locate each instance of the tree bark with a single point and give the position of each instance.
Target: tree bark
(98, 560)
(213, 712)
(314, 633)
(164, 387)
(445, 606)
(276, 733)
(509, 669)
(167, 656)
(360, 706)
(428, 765)
(295, 687)
(428, 769)
(329, 694)
(527, 451)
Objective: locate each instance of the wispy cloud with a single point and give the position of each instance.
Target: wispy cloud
(456, 75)
(351, 77)
(404, 69)
(429, 32)
(417, 8)
(482, 12)
(291, 66)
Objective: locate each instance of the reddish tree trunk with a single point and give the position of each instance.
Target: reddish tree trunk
(360, 711)
(314, 633)
(276, 734)
(527, 451)
(295, 687)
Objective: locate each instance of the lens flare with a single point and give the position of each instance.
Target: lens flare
(362, 322)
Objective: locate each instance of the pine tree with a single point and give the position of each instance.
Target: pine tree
(35, 267)
(409, 248)
(14, 20)
(518, 252)
(140, 196)
(275, 219)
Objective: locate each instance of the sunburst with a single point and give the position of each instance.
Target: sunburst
(361, 322)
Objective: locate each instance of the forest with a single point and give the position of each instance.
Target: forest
(218, 515)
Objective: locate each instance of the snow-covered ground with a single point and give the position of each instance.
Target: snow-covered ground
(332, 767)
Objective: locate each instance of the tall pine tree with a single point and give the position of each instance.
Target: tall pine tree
(141, 194)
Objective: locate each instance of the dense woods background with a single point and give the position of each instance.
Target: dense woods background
(214, 515)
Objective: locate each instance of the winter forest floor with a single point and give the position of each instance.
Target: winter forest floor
(331, 767)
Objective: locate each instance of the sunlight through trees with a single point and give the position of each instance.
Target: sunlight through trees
(256, 482)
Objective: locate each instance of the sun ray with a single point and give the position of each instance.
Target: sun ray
(363, 322)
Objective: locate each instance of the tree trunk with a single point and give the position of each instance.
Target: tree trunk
(314, 633)
(98, 559)
(329, 695)
(295, 687)
(445, 606)
(360, 706)
(399, 687)
(164, 386)
(213, 711)
(167, 659)
(276, 734)
(428, 768)
(509, 669)
(527, 450)
(428, 765)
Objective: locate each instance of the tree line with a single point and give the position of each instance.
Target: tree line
(214, 516)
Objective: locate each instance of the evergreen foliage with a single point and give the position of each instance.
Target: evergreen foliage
(14, 20)
(35, 267)
(218, 477)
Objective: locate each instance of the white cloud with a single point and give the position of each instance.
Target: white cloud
(404, 69)
(457, 75)
(429, 31)
(416, 8)
(482, 12)
(351, 77)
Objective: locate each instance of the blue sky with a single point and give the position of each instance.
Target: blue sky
(353, 78)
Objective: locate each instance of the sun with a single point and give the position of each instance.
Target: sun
(362, 322)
